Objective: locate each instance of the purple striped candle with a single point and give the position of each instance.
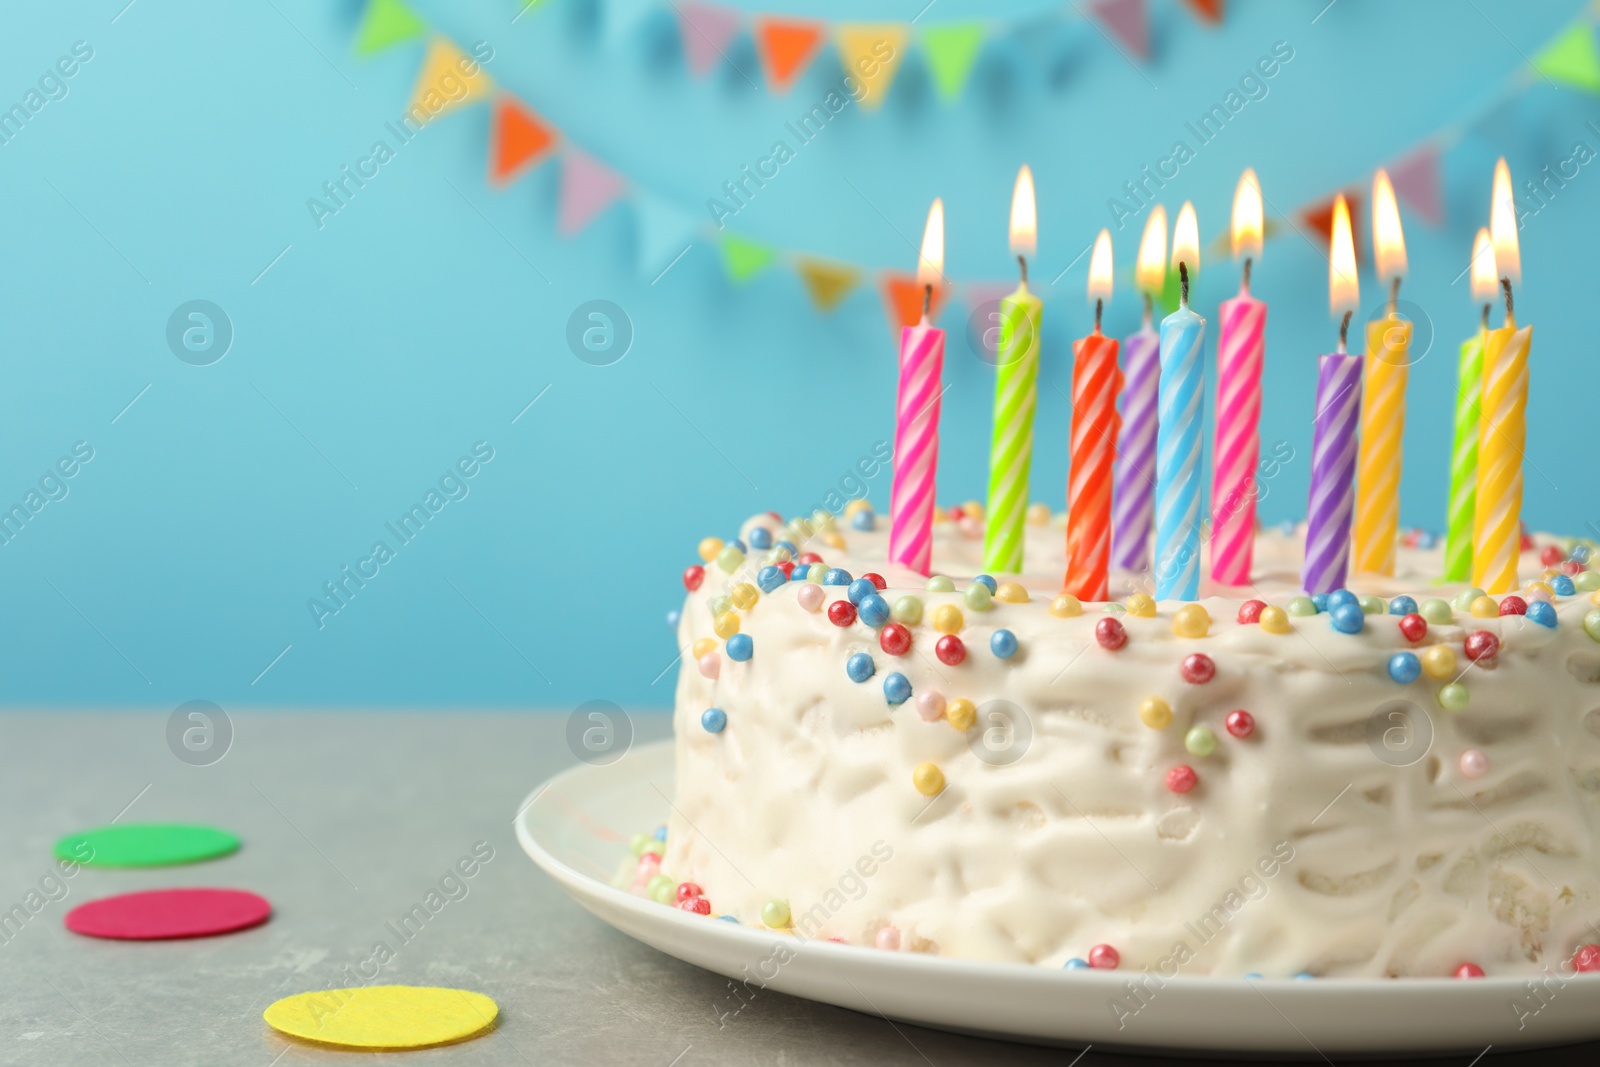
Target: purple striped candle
(1134, 474)
(1333, 473)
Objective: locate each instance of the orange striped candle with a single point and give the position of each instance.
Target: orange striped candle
(1095, 384)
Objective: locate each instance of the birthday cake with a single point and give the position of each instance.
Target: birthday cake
(1403, 780)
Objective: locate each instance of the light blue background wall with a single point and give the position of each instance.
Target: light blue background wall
(380, 347)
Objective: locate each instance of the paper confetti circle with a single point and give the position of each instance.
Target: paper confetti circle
(146, 845)
(164, 914)
(384, 1016)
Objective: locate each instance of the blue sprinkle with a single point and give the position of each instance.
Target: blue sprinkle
(1253, 974)
(800, 571)
(1286, 527)
(1339, 597)
(1348, 618)
(1003, 643)
(660, 834)
(984, 579)
(1304, 977)
(1402, 605)
(862, 520)
(1579, 554)
(873, 610)
(896, 689)
(1320, 600)
(789, 547)
(1075, 964)
(1542, 613)
(1427, 539)
(740, 647)
(1562, 585)
(859, 667)
(861, 587)
(760, 538)
(714, 719)
(672, 618)
(1404, 667)
(769, 578)
(736, 543)
(836, 576)
(728, 919)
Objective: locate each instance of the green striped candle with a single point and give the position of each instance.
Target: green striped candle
(1459, 517)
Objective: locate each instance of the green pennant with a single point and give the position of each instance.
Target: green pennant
(1571, 59)
(744, 259)
(951, 49)
(385, 23)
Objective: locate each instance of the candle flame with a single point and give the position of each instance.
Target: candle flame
(1024, 220)
(1100, 268)
(1186, 240)
(930, 265)
(1344, 288)
(1247, 215)
(1151, 272)
(1503, 225)
(1485, 280)
(1388, 239)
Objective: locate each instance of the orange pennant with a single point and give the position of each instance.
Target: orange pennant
(787, 47)
(903, 295)
(1209, 10)
(518, 140)
(1318, 218)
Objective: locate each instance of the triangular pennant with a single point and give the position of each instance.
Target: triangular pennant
(587, 188)
(1126, 21)
(871, 54)
(745, 259)
(951, 50)
(1571, 59)
(621, 17)
(1208, 10)
(665, 232)
(787, 47)
(903, 296)
(706, 32)
(448, 80)
(1416, 181)
(1318, 219)
(828, 283)
(385, 23)
(518, 140)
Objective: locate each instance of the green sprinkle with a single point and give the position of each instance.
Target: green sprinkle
(1437, 612)
(1462, 601)
(661, 889)
(775, 913)
(908, 610)
(1591, 624)
(1454, 697)
(1301, 605)
(940, 584)
(978, 597)
(1200, 740)
(1373, 605)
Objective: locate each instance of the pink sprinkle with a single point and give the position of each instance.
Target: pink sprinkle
(1474, 764)
(711, 665)
(1104, 957)
(930, 705)
(888, 939)
(810, 596)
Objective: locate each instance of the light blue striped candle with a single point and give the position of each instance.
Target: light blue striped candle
(1182, 410)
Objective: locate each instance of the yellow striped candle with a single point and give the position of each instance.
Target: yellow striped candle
(1015, 398)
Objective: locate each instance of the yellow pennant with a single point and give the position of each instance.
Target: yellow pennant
(828, 283)
(870, 55)
(449, 79)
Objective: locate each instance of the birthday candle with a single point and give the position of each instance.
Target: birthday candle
(1241, 342)
(1333, 441)
(916, 440)
(1178, 446)
(1469, 405)
(1134, 472)
(1015, 397)
(1383, 406)
(1095, 383)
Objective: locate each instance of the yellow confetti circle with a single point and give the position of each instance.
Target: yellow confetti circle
(383, 1016)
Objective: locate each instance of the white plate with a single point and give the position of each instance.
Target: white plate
(576, 827)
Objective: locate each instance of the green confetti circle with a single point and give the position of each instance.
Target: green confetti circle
(146, 845)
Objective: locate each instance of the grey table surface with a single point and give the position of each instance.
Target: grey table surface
(348, 819)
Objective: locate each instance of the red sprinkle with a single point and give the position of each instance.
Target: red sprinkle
(689, 889)
(1414, 626)
(957, 513)
(1469, 970)
(1552, 556)
(650, 856)
(841, 613)
(950, 650)
(1513, 605)
(1587, 958)
(1110, 633)
(1571, 566)
(1241, 723)
(809, 557)
(1182, 778)
(1250, 611)
(787, 567)
(1197, 668)
(876, 580)
(693, 576)
(1482, 646)
(697, 905)
(894, 639)
(1104, 957)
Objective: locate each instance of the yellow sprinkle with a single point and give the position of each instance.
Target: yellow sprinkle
(832, 539)
(1485, 608)
(1549, 573)
(823, 519)
(961, 713)
(1142, 606)
(1439, 662)
(972, 509)
(855, 506)
(1155, 713)
(702, 646)
(928, 779)
(744, 596)
(1191, 620)
(1594, 597)
(940, 515)
(709, 548)
(1038, 514)
(1274, 620)
(727, 625)
(1066, 606)
(947, 618)
(1011, 593)
(1538, 587)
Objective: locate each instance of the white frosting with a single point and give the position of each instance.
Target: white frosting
(1301, 850)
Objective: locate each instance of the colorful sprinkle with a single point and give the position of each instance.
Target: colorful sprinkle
(928, 779)
(693, 577)
(1182, 778)
(873, 610)
(908, 610)
(1241, 723)
(710, 665)
(1484, 608)
(1469, 970)
(730, 558)
(842, 613)
(859, 667)
(689, 889)
(887, 939)
(714, 720)
(769, 578)
(1473, 763)
(1438, 612)
(1302, 606)
(721, 604)
(1561, 585)
(1414, 627)
(726, 625)
(836, 576)
(1404, 667)
(979, 597)
(1275, 620)
(744, 596)
(947, 618)
(775, 913)
(1439, 662)
(1104, 958)
(811, 597)
(1587, 582)
(1372, 605)
(1003, 643)
(1066, 606)
(896, 689)
(740, 648)
(1402, 605)
(894, 639)
(862, 520)
(1197, 668)
(1347, 618)
(1339, 598)
(760, 538)
(1591, 625)
(1481, 647)
(702, 646)
(987, 582)
(1191, 620)
(1075, 964)
(940, 584)
(1587, 958)
(1112, 636)
(859, 588)
(709, 547)
(1141, 606)
(1250, 612)
(1462, 601)
(661, 889)
(950, 649)
(1454, 696)
(1200, 741)
(673, 618)
(962, 714)
(930, 705)
(1155, 713)
(1543, 613)
(695, 905)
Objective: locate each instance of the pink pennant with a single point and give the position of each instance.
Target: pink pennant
(587, 188)
(1127, 23)
(1416, 181)
(706, 32)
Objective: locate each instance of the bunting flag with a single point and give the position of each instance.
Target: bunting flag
(385, 23)
(518, 140)
(1416, 182)
(903, 296)
(786, 47)
(1571, 59)
(1208, 10)
(1127, 22)
(872, 54)
(444, 66)
(951, 50)
(827, 282)
(665, 232)
(1318, 218)
(587, 188)
(706, 31)
(744, 259)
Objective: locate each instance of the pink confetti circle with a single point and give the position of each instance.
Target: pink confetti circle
(166, 914)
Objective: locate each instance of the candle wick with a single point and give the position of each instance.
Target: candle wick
(1183, 283)
(1147, 309)
(1344, 331)
(1022, 262)
(927, 300)
(1245, 282)
(1511, 319)
(1099, 306)
(1394, 297)
(1485, 316)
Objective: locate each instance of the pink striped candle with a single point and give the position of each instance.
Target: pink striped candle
(1240, 347)
(916, 438)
